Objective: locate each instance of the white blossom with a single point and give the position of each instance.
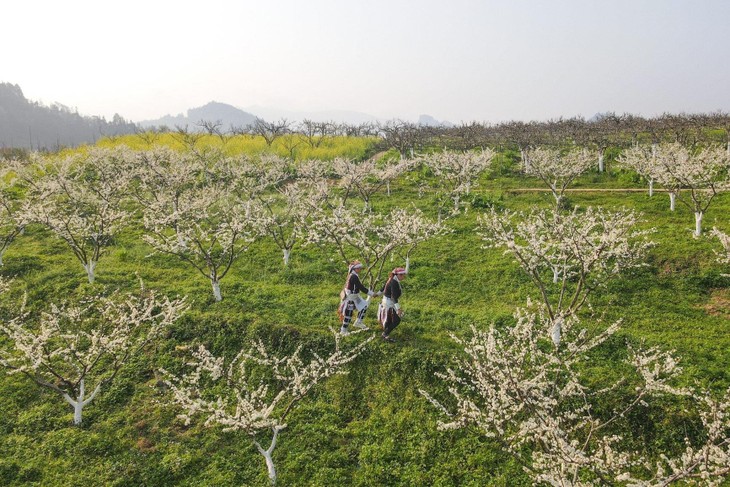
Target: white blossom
(458, 171)
(556, 169)
(74, 347)
(258, 389)
(535, 401)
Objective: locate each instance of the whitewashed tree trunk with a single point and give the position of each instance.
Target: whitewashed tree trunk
(287, 253)
(2, 252)
(408, 264)
(525, 160)
(600, 162)
(89, 268)
(651, 187)
(698, 223)
(387, 185)
(216, 289)
(556, 330)
(672, 200)
(270, 467)
(556, 275)
(79, 403)
(456, 203)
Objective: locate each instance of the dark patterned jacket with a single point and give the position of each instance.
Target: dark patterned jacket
(353, 284)
(392, 291)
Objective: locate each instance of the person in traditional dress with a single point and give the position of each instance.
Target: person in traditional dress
(351, 299)
(389, 311)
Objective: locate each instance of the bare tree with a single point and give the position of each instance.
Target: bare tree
(236, 397)
(270, 131)
(71, 349)
(214, 129)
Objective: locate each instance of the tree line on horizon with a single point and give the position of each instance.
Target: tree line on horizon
(27, 125)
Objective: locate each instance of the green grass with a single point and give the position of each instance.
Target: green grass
(370, 427)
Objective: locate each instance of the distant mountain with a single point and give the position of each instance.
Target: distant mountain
(227, 115)
(342, 116)
(429, 121)
(31, 125)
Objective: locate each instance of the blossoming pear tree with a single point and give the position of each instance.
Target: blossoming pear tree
(556, 169)
(255, 391)
(72, 349)
(567, 256)
(458, 171)
(540, 405)
(81, 199)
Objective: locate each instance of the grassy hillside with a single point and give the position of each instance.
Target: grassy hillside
(370, 427)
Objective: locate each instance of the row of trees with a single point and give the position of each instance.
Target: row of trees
(599, 133)
(207, 209)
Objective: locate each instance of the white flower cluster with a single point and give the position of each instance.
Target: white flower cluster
(568, 255)
(258, 389)
(69, 346)
(458, 171)
(370, 237)
(524, 394)
(556, 169)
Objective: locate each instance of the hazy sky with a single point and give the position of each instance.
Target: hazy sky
(457, 60)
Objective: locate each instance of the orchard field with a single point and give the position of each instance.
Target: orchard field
(375, 425)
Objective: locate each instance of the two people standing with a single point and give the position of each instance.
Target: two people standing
(389, 310)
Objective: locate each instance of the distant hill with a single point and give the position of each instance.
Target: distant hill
(31, 125)
(429, 121)
(227, 115)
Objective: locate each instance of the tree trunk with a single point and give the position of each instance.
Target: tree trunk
(556, 331)
(387, 185)
(672, 200)
(270, 467)
(556, 275)
(600, 162)
(2, 252)
(651, 188)
(79, 403)
(90, 270)
(698, 223)
(216, 290)
(287, 253)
